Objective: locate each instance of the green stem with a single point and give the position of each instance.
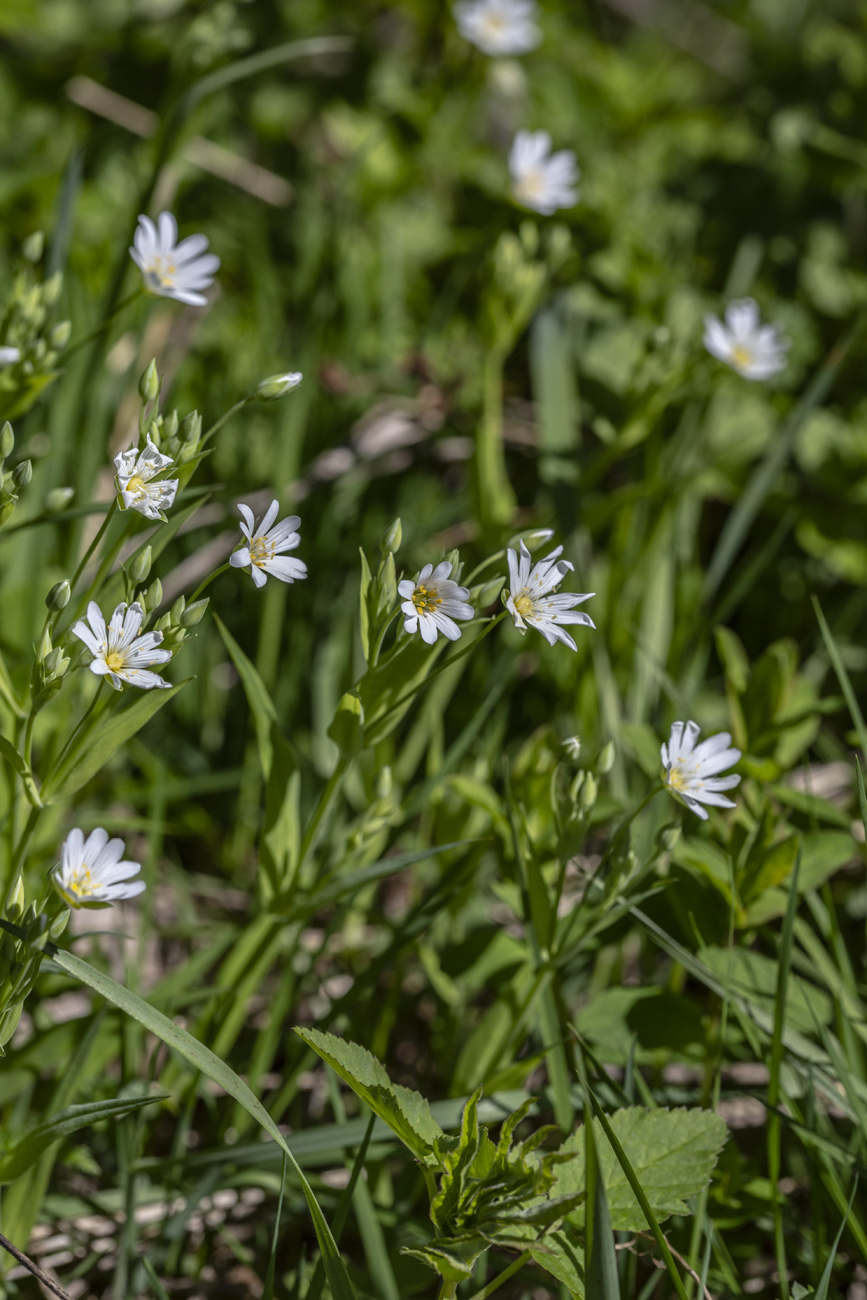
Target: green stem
(202, 585)
(21, 848)
(218, 424)
(28, 736)
(447, 1290)
(94, 334)
(374, 660)
(79, 726)
(498, 1281)
(325, 800)
(93, 545)
(496, 498)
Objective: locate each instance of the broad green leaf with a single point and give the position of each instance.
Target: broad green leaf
(347, 728)
(775, 867)
(754, 975)
(264, 714)
(407, 1113)
(100, 739)
(203, 1059)
(16, 762)
(453, 1261)
(29, 1148)
(561, 1254)
(673, 1153)
(281, 833)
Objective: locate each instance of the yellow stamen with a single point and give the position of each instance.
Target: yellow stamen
(81, 883)
(524, 604)
(115, 660)
(262, 550)
(136, 484)
(741, 356)
(425, 599)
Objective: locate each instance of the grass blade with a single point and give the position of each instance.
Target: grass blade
(774, 1125)
(843, 678)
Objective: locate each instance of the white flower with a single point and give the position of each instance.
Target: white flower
(499, 26)
(265, 545)
(433, 602)
(533, 599)
(172, 269)
(542, 180)
(572, 746)
(135, 470)
(9, 356)
(691, 772)
(119, 653)
(754, 350)
(91, 872)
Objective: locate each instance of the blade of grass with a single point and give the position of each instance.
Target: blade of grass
(842, 677)
(825, 1279)
(774, 1133)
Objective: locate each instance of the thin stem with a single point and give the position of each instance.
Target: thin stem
(93, 545)
(207, 582)
(485, 564)
(498, 1281)
(21, 847)
(447, 1290)
(374, 660)
(80, 724)
(325, 799)
(218, 424)
(28, 735)
(34, 1268)
(94, 334)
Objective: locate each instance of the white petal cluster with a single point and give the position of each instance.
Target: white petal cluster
(266, 544)
(119, 653)
(9, 356)
(171, 269)
(534, 600)
(542, 180)
(754, 350)
(691, 772)
(134, 481)
(92, 873)
(433, 602)
(499, 26)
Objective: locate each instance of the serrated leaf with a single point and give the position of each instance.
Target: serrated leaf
(446, 1205)
(453, 1260)
(406, 1113)
(29, 1148)
(673, 1153)
(561, 1254)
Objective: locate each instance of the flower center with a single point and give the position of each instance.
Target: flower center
(532, 185)
(115, 660)
(163, 272)
(426, 599)
(741, 356)
(524, 604)
(81, 882)
(261, 551)
(137, 485)
(495, 23)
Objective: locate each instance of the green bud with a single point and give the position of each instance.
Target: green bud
(51, 289)
(39, 352)
(58, 596)
(489, 592)
(277, 386)
(33, 245)
(59, 924)
(59, 336)
(384, 783)
(191, 428)
(51, 661)
(587, 797)
(392, 538)
(605, 761)
(58, 499)
(577, 782)
(163, 624)
(170, 425)
(532, 540)
(149, 384)
(16, 900)
(193, 614)
(177, 610)
(22, 474)
(7, 441)
(154, 594)
(667, 838)
(141, 566)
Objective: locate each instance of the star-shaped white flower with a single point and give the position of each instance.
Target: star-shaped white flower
(754, 350)
(534, 600)
(9, 356)
(691, 772)
(172, 269)
(265, 547)
(499, 26)
(542, 180)
(119, 653)
(91, 873)
(433, 602)
(135, 472)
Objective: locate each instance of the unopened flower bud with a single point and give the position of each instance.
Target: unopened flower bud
(276, 386)
(489, 592)
(668, 837)
(154, 594)
(58, 596)
(177, 610)
(33, 245)
(51, 289)
(58, 499)
(194, 613)
(163, 623)
(59, 336)
(39, 352)
(384, 783)
(46, 645)
(170, 425)
(7, 441)
(140, 566)
(191, 427)
(587, 797)
(15, 901)
(22, 474)
(392, 538)
(575, 787)
(59, 924)
(149, 384)
(532, 540)
(605, 761)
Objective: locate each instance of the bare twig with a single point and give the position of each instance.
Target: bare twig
(657, 1263)
(54, 1287)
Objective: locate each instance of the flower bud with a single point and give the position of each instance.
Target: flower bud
(392, 538)
(59, 924)
(605, 761)
(58, 499)
(58, 597)
(33, 245)
(194, 613)
(384, 783)
(490, 592)
(154, 594)
(276, 386)
(39, 352)
(587, 796)
(7, 441)
(59, 336)
(149, 384)
(170, 425)
(191, 427)
(177, 610)
(667, 838)
(15, 901)
(532, 540)
(141, 566)
(163, 623)
(51, 288)
(22, 474)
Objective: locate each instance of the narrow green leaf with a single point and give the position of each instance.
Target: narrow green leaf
(602, 1279)
(16, 762)
(862, 797)
(843, 678)
(29, 1148)
(825, 1279)
(261, 706)
(774, 1134)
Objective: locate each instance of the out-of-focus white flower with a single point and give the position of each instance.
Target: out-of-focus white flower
(276, 386)
(533, 598)
(91, 873)
(572, 746)
(119, 653)
(433, 602)
(691, 772)
(754, 350)
(9, 356)
(499, 26)
(135, 472)
(542, 180)
(265, 547)
(172, 269)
